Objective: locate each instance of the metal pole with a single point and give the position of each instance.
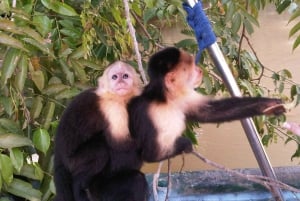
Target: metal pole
(248, 125)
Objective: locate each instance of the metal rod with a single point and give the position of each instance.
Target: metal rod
(248, 125)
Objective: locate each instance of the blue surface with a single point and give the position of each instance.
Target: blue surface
(218, 185)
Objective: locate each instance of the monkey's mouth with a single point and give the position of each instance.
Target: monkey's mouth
(122, 90)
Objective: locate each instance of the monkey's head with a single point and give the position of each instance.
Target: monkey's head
(119, 79)
(173, 72)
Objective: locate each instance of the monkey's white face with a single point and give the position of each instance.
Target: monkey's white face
(196, 76)
(120, 80)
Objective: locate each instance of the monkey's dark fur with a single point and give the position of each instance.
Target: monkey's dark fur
(95, 157)
(174, 103)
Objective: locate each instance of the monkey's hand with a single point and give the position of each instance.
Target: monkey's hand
(183, 144)
(274, 107)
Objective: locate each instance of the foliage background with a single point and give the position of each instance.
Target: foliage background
(51, 50)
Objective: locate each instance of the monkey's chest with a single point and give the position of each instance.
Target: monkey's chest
(117, 117)
(169, 123)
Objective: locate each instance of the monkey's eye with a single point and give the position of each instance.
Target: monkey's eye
(125, 76)
(114, 77)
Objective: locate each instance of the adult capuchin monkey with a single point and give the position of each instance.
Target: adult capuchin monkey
(157, 118)
(93, 142)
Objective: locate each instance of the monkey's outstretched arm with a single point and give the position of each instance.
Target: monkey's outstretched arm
(235, 108)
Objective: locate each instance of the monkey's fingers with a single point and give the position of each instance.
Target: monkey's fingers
(275, 109)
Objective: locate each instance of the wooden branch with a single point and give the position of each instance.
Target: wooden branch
(169, 180)
(145, 30)
(155, 181)
(135, 43)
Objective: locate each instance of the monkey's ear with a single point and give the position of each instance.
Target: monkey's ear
(170, 79)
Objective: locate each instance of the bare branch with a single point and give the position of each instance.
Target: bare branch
(135, 43)
(155, 181)
(145, 30)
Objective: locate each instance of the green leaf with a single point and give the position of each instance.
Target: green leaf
(185, 43)
(10, 126)
(283, 5)
(41, 140)
(38, 172)
(189, 132)
(41, 46)
(53, 89)
(7, 104)
(66, 69)
(248, 26)
(296, 43)
(249, 17)
(43, 23)
(149, 14)
(249, 88)
(10, 26)
(21, 14)
(12, 42)
(208, 85)
(24, 189)
(294, 15)
(36, 108)
(91, 64)
(3, 198)
(9, 65)
(1, 184)
(38, 79)
(9, 140)
(67, 93)
(6, 168)
(286, 73)
(297, 153)
(71, 33)
(22, 73)
(29, 171)
(4, 6)
(116, 14)
(231, 9)
(17, 158)
(33, 34)
(77, 53)
(236, 23)
(59, 7)
(48, 113)
(79, 71)
(266, 139)
(295, 29)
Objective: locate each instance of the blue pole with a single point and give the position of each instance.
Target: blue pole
(248, 125)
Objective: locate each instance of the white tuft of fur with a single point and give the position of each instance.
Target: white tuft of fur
(169, 118)
(116, 114)
(169, 121)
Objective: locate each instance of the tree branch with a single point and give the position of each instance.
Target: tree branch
(135, 43)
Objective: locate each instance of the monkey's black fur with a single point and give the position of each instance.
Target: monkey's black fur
(89, 165)
(84, 156)
(146, 132)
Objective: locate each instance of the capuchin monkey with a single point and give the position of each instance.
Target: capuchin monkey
(157, 118)
(93, 142)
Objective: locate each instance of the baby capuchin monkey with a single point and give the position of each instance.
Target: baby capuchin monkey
(157, 118)
(93, 142)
